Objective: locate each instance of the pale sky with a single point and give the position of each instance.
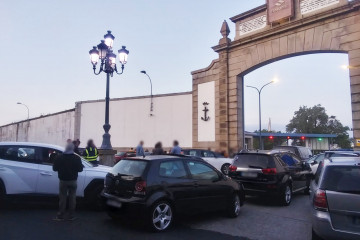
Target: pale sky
(45, 62)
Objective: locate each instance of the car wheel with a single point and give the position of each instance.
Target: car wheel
(234, 206)
(286, 195)
(161, 216)
(225, 168)
(94, 199)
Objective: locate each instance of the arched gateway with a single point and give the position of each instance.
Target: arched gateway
(277, 30)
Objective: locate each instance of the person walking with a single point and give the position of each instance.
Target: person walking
(140, 149)
(91, 153)
(176, 148)
(158, 150)
(68, 165)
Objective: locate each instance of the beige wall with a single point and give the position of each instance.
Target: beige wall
(130, 121)
(52, 129)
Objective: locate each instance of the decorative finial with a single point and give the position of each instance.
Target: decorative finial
(225, 31)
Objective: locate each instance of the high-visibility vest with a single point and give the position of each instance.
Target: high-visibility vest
(91, 154)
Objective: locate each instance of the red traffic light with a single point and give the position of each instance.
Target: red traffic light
(288, 137)
(271, 137)
(302, 138)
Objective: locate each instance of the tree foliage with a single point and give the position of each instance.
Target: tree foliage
(315, 120)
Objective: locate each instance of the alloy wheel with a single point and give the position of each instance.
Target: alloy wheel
(287, 194)
(162, 216)
(225, 169)
(237, 205)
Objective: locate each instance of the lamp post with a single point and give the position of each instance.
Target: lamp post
(28, 112)
(259, 91)
(28, 122)
(151, 104)
(104, 52)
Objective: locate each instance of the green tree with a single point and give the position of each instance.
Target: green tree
(315, 120)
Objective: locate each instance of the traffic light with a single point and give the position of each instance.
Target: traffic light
(271, 137)
(320, 139)
(288, 137)
(302, 138)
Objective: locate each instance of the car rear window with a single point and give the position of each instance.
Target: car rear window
(254, 161)
(342, 179)
(128, 167)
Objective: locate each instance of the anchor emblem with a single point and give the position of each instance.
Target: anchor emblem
(205, 118)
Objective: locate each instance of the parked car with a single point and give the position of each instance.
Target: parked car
(156, 188)
(335, 195)
(220, 162)
(26, 168)
(314, 162)
(274, 174)
(303, 153)
(121, 155)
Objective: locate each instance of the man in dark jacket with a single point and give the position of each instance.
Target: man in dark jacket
(68, 165)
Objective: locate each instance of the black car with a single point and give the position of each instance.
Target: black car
(159, 187)
(304, 153)
(275, 174)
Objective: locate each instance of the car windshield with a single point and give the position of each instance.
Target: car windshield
(254, 161)
(129, 167)
(342, 179)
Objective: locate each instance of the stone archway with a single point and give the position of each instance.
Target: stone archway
(313, 26)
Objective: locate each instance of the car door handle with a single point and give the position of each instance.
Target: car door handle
(46, 173)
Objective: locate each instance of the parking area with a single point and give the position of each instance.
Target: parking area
(259, 219)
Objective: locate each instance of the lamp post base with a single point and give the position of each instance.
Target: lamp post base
(107, 157)
(106, 144)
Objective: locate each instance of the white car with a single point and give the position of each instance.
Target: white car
(26, 168)
(218, 161)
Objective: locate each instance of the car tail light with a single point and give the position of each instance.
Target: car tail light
(320, 202)
(269, 170)
(232, 168)
(140, 186)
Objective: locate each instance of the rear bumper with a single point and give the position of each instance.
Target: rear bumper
(259, 188)
(127, 204)
(321, 223)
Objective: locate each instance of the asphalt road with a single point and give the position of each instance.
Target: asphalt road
(259, 219)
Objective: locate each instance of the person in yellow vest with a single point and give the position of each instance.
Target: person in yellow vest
(91, 153)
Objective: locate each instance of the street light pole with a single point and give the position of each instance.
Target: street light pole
(28, 112)
(104, 52)
(151, 96)
(259, 92)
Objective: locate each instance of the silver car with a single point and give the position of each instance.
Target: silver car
(335, 194)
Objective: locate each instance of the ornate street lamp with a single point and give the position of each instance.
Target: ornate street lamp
(104, 53)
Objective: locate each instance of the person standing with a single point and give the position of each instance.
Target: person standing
(68, 165)
(76, 146)
(91, 153)
(176, 148)
(140, 149)
(158, 150)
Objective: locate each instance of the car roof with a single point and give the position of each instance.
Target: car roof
(161, 157)
(342, 161)
(32, 144)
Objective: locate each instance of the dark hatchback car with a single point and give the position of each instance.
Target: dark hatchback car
(303, 153)
(156, 188)
(274, 174)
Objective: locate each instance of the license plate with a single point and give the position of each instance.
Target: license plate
(113, 203)
(249, 174)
